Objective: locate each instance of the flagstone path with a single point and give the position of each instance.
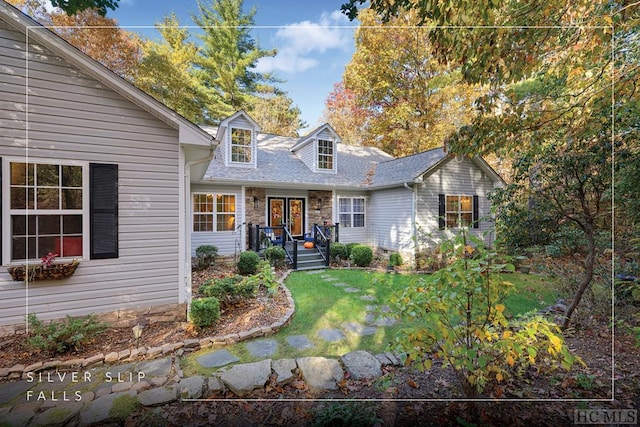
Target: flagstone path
(87, 396)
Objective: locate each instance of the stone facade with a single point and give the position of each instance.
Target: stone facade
(319, 216)
(253, 215)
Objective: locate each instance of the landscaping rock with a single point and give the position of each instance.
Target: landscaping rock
(157, 396)
(244, 378)
(340, 285)
(300, 342)
(98, 411)
(11, 390)
(284, 370)
(16, 418)
(214, 384)
(217, 359)
(320, 373)
(331, 334)
(368, 298)
(191, 388)
(361, 364)
(352, 290)
(262, 348)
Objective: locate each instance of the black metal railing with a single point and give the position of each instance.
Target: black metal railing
(262, 237)
(322, 242)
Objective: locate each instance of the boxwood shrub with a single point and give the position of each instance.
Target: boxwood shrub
(248, 263)
(205, 311)
(339, 250)
(275, 255)
(361, 255)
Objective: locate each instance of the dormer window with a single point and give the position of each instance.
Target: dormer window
(241, 148)
(325, 154)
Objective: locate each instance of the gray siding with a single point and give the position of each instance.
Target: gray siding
(453, 178)
(390, 219)
(73, 117)
(227, 242)
(308, 156)
(351, 234)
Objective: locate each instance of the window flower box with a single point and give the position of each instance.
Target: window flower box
(43, 272)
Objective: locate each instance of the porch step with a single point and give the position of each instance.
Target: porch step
(309, 259)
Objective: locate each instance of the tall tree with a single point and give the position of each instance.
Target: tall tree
(101, 38)
(557, 71)
(274, 111)
(167, 70)
(228, 56)
(70, 7)
(345, 115)
(412, 102)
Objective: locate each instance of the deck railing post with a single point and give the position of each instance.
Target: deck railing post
(295, 254)
(337, 235)
(327, 253)
(250, 236)
(257, 237)
(315, 235)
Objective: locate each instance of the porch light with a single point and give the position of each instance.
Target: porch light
(256, 203)
(137, 333)
(318, 203)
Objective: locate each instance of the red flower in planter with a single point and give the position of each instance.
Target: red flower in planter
(47, 260)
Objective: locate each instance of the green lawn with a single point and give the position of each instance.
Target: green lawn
(321, 305)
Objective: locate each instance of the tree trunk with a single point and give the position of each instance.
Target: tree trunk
(588, 275)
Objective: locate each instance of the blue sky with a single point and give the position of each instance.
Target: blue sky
(314, 42)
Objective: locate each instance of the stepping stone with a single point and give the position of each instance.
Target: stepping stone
(368, 298)
(329, 279)
(97, 412)
(244, 378)
(320, 373)
(331, 334)
(371, 319)
(340, 285)
(300, 342)
(59, 415)
(284, 370)
(382, 358)
(191, 388)
(315, 272)
(158, 396)
(262, 348)
(371, 307)
(217, 359)
(11, 390)
(358, 329)
(155, 368)
(352, 290)
(361, 364)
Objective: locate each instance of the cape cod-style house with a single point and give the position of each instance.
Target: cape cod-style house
(97, 171)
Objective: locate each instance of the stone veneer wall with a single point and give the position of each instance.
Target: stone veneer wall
(325, 213)
(254, 216)
(123, 318)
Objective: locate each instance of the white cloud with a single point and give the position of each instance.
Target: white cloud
(297, 43)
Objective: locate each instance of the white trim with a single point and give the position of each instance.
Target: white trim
(252, 147)
(7, 211)
(214, 211)
(351, 212)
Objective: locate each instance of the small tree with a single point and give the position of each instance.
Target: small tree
(460, 320)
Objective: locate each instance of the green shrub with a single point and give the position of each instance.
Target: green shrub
(459, 318)
(229, 290)
(59, 337)
(206, 255)
(395, 259)
(350, 247)
(205, 311)
(339, 250)
(361, 255)
(275, 255)
(264, 277)
(248, 262)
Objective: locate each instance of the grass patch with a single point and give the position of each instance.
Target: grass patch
(321, 305)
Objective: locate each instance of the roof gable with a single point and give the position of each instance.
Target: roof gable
(314, 134)
(189, 133)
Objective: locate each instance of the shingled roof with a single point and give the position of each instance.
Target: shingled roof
(358, 167)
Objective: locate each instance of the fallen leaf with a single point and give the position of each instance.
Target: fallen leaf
(412, 383)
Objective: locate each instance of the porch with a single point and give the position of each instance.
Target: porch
(313, 251)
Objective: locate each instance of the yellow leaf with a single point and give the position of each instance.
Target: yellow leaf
(507, 334)
(510, 360)
(499, 376)
(555, 341)
(500, 308)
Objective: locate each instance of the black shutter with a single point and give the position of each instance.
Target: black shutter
(441, 211)
(103, 204)
(476, 213)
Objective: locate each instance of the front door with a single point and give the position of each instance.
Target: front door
(287, 210)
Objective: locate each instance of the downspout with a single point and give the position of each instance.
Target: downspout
(187, 241)
(413, 189)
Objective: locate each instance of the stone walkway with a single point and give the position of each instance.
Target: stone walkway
(94, 395)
